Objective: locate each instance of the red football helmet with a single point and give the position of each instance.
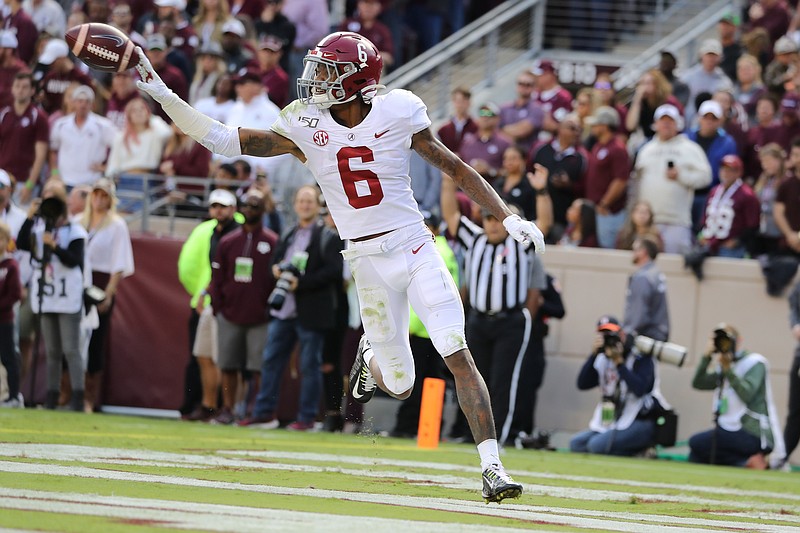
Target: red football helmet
(341, 66)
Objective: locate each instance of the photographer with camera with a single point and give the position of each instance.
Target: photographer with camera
(623, 422)
(57, 247)
(746, 426)
(307, 265)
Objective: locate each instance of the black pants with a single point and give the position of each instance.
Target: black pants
(791, 434)
(498, 345)
(530, 379)
(192, 384)
(10, 359)
(427, 364)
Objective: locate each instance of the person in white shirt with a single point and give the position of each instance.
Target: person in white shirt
(48, 16)
(669, 168)
(136, 151)
(222, 99)
(79, 142)
(253, 109)
(110, 253)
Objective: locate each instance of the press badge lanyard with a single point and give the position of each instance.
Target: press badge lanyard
(243, 267)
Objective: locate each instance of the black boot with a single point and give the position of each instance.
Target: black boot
(51, 400)
(76, 401)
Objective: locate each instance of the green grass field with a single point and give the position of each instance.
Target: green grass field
(70, 472)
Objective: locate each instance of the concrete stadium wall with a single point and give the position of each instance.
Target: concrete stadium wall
(594, 282)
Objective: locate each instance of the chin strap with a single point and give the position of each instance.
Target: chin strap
(368, 93)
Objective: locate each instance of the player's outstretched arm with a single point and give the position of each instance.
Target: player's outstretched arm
(477, 188)
(214, 135)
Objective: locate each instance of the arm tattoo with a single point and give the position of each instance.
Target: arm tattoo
(256, 143)
(466, 177)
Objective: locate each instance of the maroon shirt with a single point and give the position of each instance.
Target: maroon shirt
(729, 216)
(757, 137)
(193, 163)
(776, 21)
(10, 289)
(276, 82)
(556, 102)
(18, 138)
(55, 84)
(532, 112)
(379, 33)
(607, 162)
(115, 110)
(243, 302)
(7, 80)
(23, 27)
(491, 150)
(789, 195)
(185, 40)
(452, 137)
(251, 8)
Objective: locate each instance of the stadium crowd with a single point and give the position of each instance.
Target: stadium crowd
(703, 162)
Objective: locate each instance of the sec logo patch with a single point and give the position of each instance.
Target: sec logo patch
(320, 138)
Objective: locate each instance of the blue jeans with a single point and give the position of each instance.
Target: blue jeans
(734, 253)
(630, 441)
(733, 447)
(281, 337)
(608, 227)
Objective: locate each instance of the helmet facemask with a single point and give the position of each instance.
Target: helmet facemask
(322, 81)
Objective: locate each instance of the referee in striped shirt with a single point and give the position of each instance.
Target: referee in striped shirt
(502, 280)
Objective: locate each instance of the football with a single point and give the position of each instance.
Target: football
(102, 47)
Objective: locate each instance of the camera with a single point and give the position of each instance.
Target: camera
(51, 210)
(666, 352)
(611, 339)
(278, 295)
(724, 342)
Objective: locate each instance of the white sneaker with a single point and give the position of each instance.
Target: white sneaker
(14, 403)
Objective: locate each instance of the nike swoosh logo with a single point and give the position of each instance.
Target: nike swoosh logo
(381, 134)
(357, 395)
(418, 248)
(117, 39)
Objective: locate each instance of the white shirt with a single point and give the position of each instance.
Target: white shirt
(209, 106)
(257, 114)
(79, 148)
(48, 16)
(15, 217)
(146, 154)
(363, 171)
(109, 248)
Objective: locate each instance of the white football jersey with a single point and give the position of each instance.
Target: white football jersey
(362, 171)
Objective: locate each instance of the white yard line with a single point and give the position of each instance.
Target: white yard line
(566, 517)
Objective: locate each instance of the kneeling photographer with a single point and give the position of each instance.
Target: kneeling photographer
(746, 427)
(624, 421)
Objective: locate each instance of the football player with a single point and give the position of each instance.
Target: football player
(357, 143)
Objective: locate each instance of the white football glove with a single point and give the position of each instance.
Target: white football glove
(524, 231)
(151, 82)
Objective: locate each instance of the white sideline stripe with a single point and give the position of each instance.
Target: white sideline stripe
(541, 475)
(565, 517)
(172, 460)
(216, 517)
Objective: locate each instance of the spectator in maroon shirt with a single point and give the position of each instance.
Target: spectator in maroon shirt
(734, 119)
(607, 175)
(123, 90)
(251, 8)
(24, 136)
(772, 15)
(366, 23)
(274, 78)
(10, 65)
(731, 217)
(786, 209)
(452, 132)
(21, 24)
(10, 294)
(173, 77)
(241, 283)
(61, 75)
(766, 130)
(556, 101)
(185, 157)
(790, 121)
